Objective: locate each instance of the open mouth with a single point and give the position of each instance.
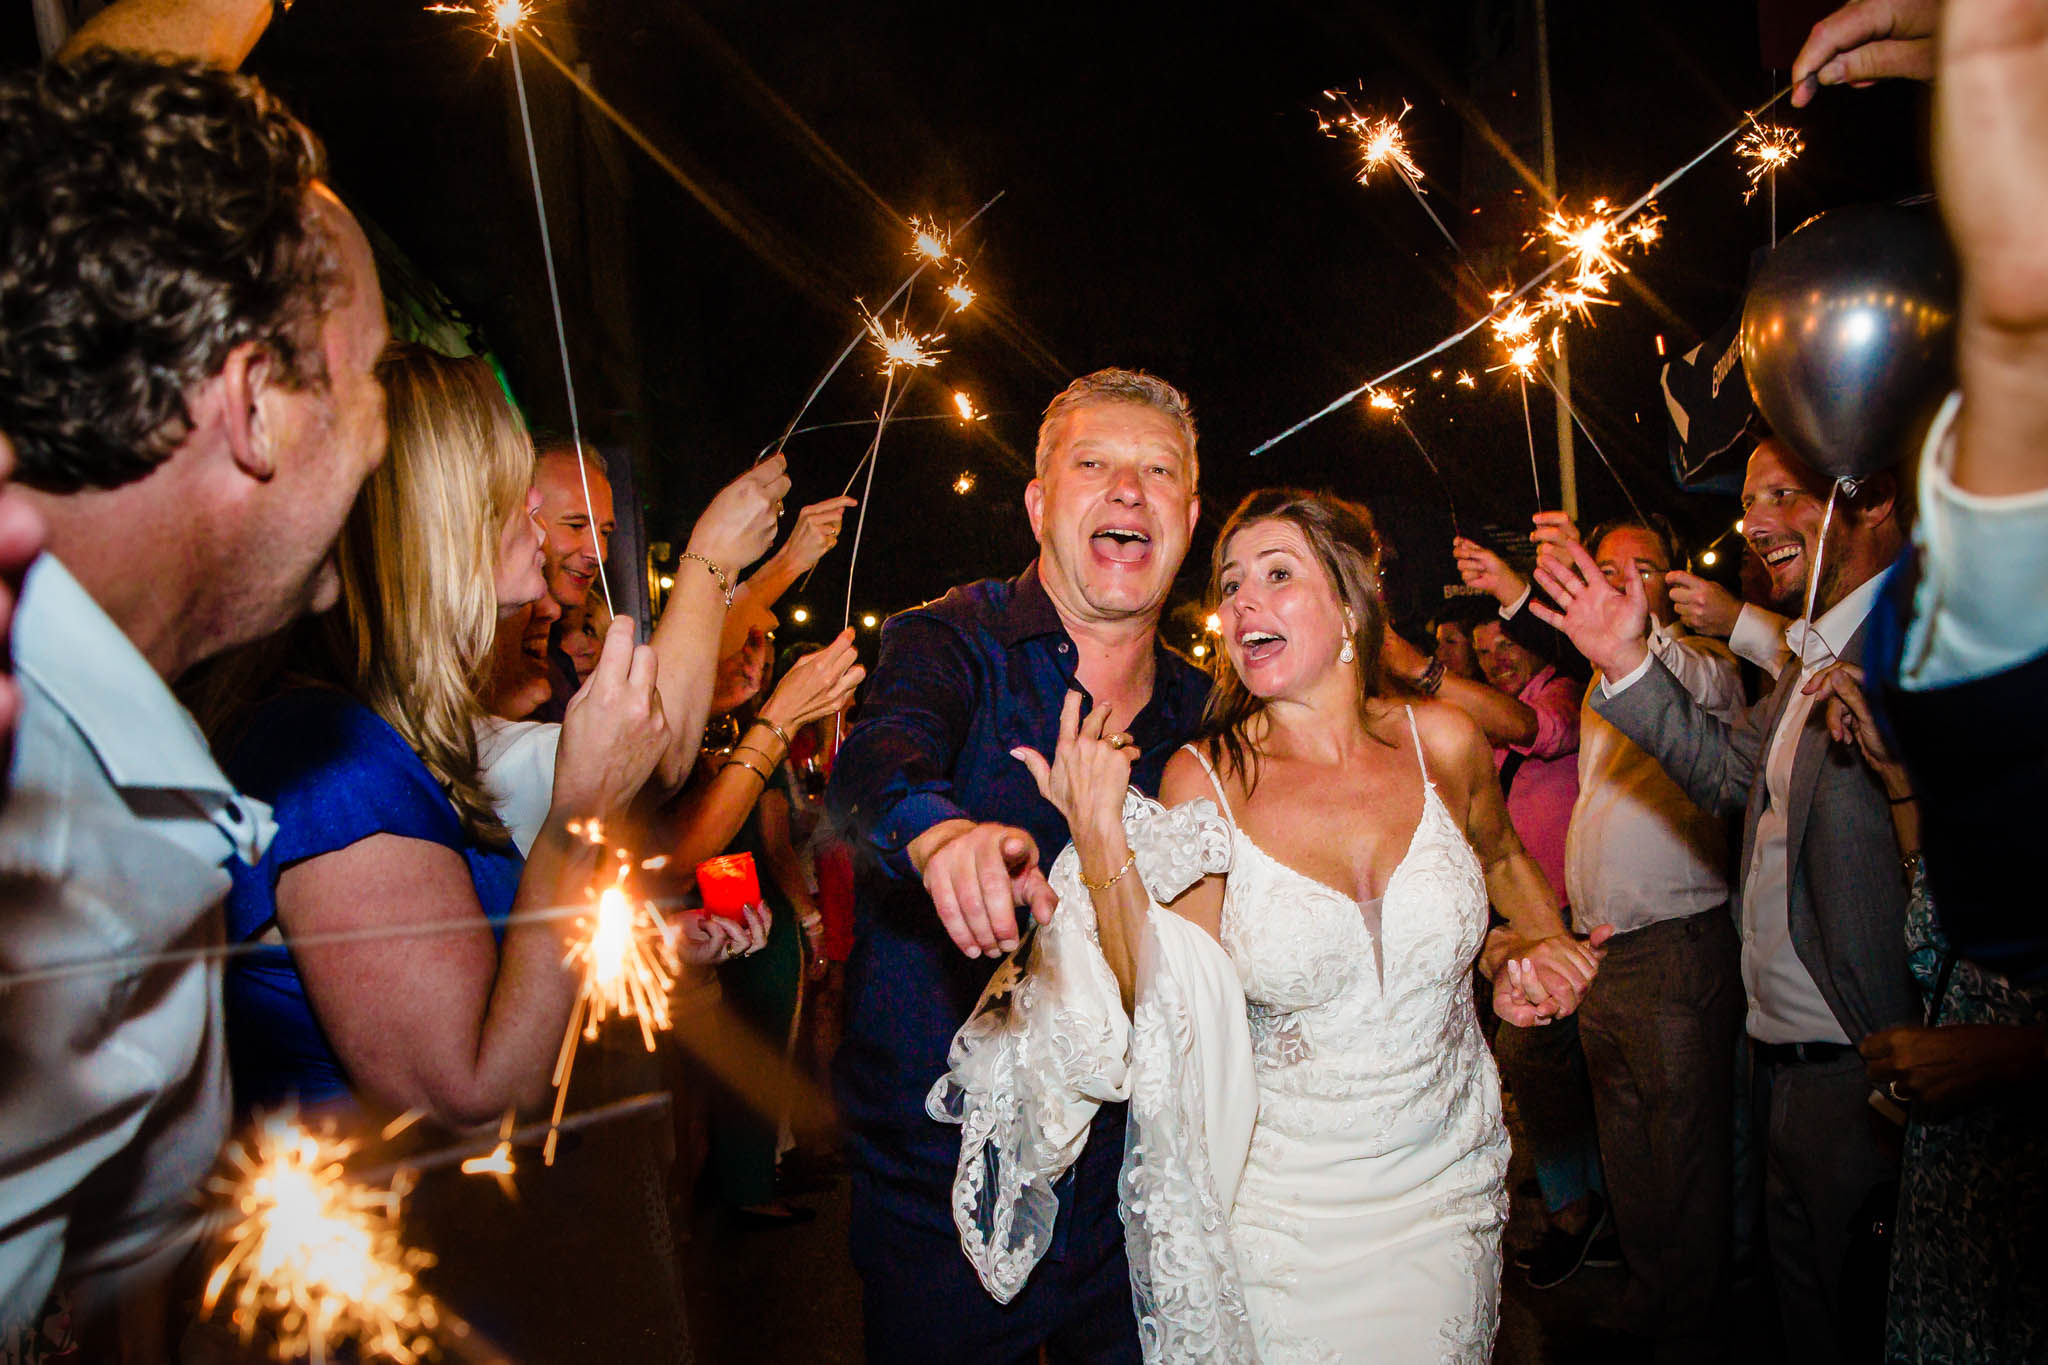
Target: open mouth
(1778, 556)
(1259, 645)
(1122, 545)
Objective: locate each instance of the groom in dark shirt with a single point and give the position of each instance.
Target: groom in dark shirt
(955, 839)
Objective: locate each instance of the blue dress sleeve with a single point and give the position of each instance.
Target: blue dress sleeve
(334, 772)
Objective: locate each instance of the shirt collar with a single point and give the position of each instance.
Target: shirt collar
(1537, 683)
(1030, 612)
(1835, 627)
(135, 727)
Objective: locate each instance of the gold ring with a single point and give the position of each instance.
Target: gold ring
(1118, 741)
(1892, 1088)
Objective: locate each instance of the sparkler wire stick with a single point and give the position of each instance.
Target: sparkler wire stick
(547, 246)
(1530, 430)
(861, 334)
(867, 493)
(954, 416)
(1593, 441)
(1430, 460)
(527, 1136)
(1505, 300)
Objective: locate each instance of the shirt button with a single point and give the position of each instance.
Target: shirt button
(1063, 646)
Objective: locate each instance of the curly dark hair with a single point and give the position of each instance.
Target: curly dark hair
(154, 215)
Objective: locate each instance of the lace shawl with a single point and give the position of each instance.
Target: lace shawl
(1048, 1043)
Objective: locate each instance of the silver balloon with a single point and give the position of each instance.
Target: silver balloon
(1848, 335)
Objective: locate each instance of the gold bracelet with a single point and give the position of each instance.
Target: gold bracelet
(771, 760)
(780, 733)
(724, 583)
(735, 758)
(1128, 864)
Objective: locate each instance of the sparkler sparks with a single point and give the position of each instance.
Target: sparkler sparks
(1594, 240)
(498, 20)
(1381, 143)
(902, 348)
(1767, 146)
(964, 405)
(960, 294)
(316, 1254)
(928, 240)
(965, 483)
(1390, 400)
(1466, 381)
(629, 966)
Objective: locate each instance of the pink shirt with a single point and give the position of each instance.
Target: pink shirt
(1546, 786)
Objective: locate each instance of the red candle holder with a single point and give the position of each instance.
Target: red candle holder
(729, 884)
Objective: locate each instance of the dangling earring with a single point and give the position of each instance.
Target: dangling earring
(1346, 654)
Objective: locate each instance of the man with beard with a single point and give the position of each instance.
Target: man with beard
(1821, 903)
(953, 835)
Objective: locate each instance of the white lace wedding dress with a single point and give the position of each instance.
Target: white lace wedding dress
(1316, 1161)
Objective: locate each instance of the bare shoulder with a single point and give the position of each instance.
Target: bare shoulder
(1184, 780)
(1451, 740)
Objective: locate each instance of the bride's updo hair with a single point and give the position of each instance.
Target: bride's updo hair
(1340, 535)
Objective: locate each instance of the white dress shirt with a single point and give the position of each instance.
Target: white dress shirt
(1639, 851)
(1785, 1006)
(517, 763)
(1982, 604)
(1759, 637)
(113, 1079)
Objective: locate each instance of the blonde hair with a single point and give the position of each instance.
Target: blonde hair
(1119, 386)
(412, 635)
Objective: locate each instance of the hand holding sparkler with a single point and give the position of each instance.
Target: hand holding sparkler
(1866, 41)
(1482, 569)
(816, 531)
(816, 685)
(613, 733)
(740, 524)
(1554, 531)
(1703, 605)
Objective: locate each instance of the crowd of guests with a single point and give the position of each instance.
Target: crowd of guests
(319, 713)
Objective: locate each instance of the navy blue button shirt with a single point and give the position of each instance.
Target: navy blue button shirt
(959, 683)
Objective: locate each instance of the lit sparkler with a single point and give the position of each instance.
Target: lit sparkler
(929, 241)
(960, 294)
(629, 966)
(902, 348)
(1466, 381)
(315, 1256)
(498, 20)
(1594, 241)
(1381, 143)
(1767, 146)
(1390, 400)
(965, 483)
(964, 405)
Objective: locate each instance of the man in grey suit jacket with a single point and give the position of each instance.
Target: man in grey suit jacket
(1821, 898)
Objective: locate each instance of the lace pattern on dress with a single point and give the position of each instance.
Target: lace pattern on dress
(1048, 1043)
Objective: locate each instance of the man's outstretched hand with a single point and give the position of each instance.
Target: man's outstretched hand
(977, 875)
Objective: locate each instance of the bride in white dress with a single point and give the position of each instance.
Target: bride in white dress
(1274, 968)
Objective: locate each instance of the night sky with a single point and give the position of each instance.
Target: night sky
(1168, 203)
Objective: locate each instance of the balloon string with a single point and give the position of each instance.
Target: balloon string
(1820, 552)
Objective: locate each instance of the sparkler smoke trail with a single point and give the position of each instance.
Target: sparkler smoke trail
(1502, 303)
(316, 1255)
(853, 343)
(509, 35)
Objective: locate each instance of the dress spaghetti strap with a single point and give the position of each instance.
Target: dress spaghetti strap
(1420, 761)
(1214, 781)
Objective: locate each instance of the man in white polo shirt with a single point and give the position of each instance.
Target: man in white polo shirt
(186, 375)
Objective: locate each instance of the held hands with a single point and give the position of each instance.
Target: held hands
(816, 685)
(614, 731)
(705, 940)
(815, 532)
(1865, 41)
(739, 525)
(1704, 605)
(1609, 626)
(1089, 773)
(1546, 979)
(976, 875)
(1486, 571)
(1839, 687)
(1955, 1066)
